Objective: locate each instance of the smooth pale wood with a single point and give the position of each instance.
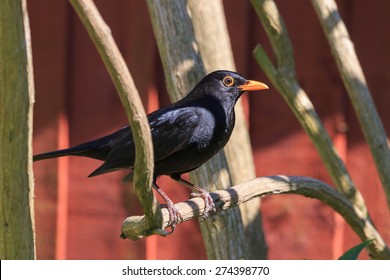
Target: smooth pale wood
(101, 35)
(356, 85)
(213, 40)
(284, 78)
(184, 65)
(17, 235)
(263, 186)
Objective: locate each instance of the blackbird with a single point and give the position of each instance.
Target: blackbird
(185, 135)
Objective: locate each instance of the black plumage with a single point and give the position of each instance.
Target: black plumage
(185, 134)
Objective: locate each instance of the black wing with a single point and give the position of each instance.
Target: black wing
(171, 129)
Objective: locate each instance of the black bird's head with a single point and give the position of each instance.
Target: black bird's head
(226, 85)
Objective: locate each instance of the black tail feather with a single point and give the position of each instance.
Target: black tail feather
(81, 150)
(97, 149)
(54, 154)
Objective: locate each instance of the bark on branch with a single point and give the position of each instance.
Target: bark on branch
(17, 233)
(283, 77)
(356, 85)
(135, 227)
(213, 40)
(182, 29)
(101, 36)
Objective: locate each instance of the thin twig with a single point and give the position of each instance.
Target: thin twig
(135, 228)
(356, 85)
(116, 66)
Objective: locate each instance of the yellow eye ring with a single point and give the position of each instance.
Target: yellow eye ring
(228, 81)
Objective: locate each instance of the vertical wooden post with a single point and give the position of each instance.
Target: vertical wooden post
(17, 235)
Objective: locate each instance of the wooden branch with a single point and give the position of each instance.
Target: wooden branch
(284, 79)
(134, 227)
(215, 48)
(17, 234)
(116, 66)
(356, 85)
(184, 66)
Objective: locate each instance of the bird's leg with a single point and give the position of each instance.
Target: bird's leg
(199, 192)
(174, 215)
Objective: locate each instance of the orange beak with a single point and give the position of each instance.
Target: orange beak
(252, 85)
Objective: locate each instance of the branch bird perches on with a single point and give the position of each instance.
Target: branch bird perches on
(135, 227)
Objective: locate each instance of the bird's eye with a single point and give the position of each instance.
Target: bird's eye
(228, 81)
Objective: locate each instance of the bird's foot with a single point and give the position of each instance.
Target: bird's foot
(174, 214)
(208, 201)
(198, 192)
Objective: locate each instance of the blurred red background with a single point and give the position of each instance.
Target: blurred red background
(80, 218)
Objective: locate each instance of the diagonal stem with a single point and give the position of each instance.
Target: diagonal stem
(284, 79)
(356, 85)
(116, 66)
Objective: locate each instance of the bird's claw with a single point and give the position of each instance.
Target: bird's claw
(174, 215)
(209, 205)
